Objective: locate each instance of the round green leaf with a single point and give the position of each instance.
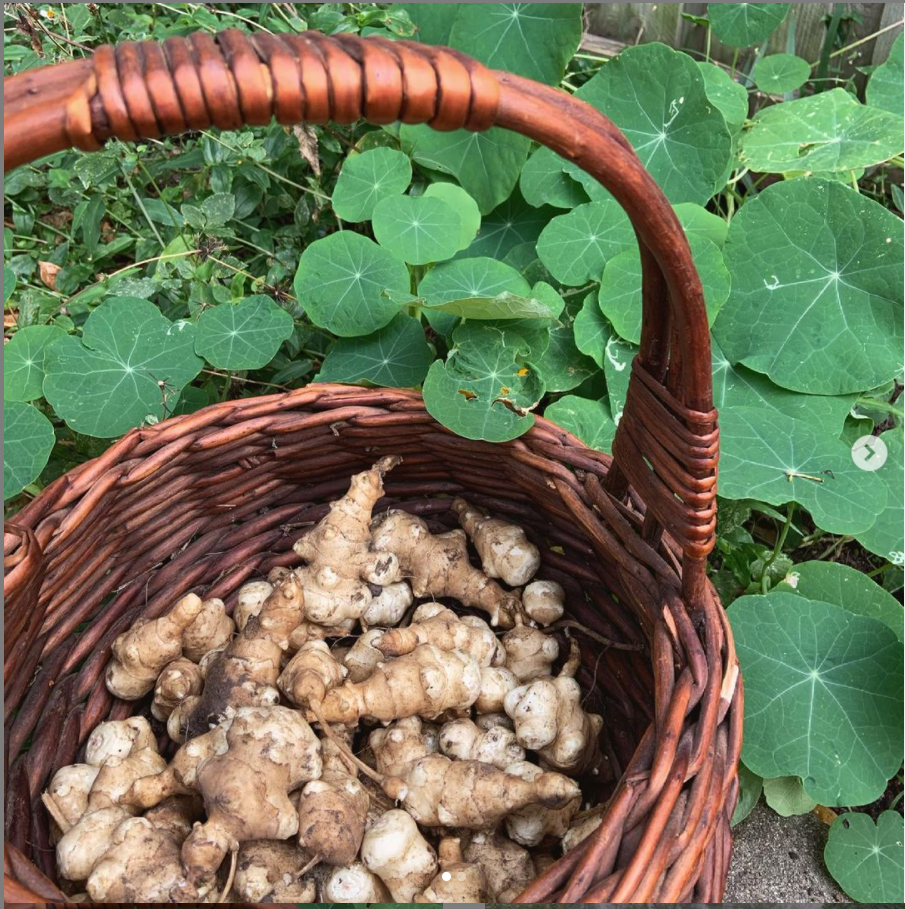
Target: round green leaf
(366, 179)
(561, 365)
(698, 222)
(744, 24)
(544, 181)
(780, 73)
(341, 281)
(23, 362)
(28, 439)
(823, 696)
(750, 786)
(832, 582)
(886, 87)
(816, 293)
(885, 537)
(418, 229)
(656, 96)
(786, 796)
(728, 96)
(590, 420)
(592, 331)
(620, 287)
(246, 335)
(576, 246)
(9, 283)
(464, 206)
(831, 131)
(128, 368)
(397, 356)
(481, 392)
(509, 225)
(777, 459)
(866, 858)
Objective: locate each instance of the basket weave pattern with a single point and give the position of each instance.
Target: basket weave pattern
(205, 501)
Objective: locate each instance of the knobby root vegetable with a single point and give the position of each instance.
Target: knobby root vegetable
(141, 652)
(245, 674)
(310, 674)
(444, 629)
(529, 653)
(399, 855)
(332, 814)
(529, 825)
(271, 751)
(583, 825)
(211, 630)
(341, 561)
(389, 606)
(268, 871)
(178, 719)
(402, 743)
(544, 601)
(355, 884)
(118, 738)
(363, 657)
(438, 566)
(505, 550)
(250, 599)
(438, 792)
(507, 866)
(424, 683)
(458, 881)
(489, 720)
(176, 815)
(68, 791)
(80, 848)
(117, 776)
(496, 683)
(464, 740)
(176, 682)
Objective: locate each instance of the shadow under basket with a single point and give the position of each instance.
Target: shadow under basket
(203, 502)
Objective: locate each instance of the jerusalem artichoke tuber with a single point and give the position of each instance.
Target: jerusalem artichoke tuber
(544, 601)
(496, 683)
(69, 789)
(399, 855)
(463, 740)
(402, 743)
(355, 884)
(363, 657)
(458, 880)
(507, 866)
(250, 599)
(267, 871)
(389, 606)
(177, 681)
(211, 630)
(310, 674)
(529, 653)
(530, 824)
(118, 738)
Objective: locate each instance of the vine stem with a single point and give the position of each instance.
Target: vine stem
(777, 549)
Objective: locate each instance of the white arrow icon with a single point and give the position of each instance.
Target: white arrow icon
(869, 453)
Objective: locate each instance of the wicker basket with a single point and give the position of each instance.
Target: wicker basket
(205, 501)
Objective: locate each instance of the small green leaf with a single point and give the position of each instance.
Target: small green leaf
(218, 209)
(418, 229)
(9, 283)
(832, 582)
(481, 391)
(28, 439)
(23, 362)
(397, 356)
(729, 97)
(561, 365)
(786, 796)
(744, 24)
(592, 331)
(885, 537)
(590, 420)
(544, 181)
(866, 858)
(823, 696)
(464, 206)
(830, 131)
(698, 222)
(780, 73)
(510, 224)
(128, 368)
(816, 299)
(367, 178)
(750, 786)
(886, 87)
(341, 281)
(576, 246)
(246, 335)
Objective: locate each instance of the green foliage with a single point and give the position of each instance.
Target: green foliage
(750, 787)
(23, 362)
(742, 24)
(885, 536)
(866, 858)
(245, 335)
(886, 88)
(418, 229)
(786, 796)
(368, 178)
(780, 73)
(28, 439)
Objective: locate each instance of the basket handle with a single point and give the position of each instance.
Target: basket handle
(666, 444)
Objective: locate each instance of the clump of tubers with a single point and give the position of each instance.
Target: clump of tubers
(530, 653)
(466, 741)
(458, 881)
(544, 601)
(389, 606)
(399, 855)
(211, 630)
(496, 683)
(363, 656)
(530, 824)
(507, 866)
(268, 871)
(402, 743)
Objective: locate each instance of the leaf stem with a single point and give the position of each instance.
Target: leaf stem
(777, 548)
(882, 406)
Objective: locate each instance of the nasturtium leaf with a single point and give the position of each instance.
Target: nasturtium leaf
(738, 386)
(128, 368)
(511, 224)
(341, 281)
(562, 366)
(816, 299)
(464, 206)
(620, 287)
(750, 786)
(592, 331)
(481, 391)
(865, 858)
(841, 585)
(544, 181)
(9, 283)
(28, 439)
(397, 356)
(23, 361)
(698, 222)
(729, 97)
(367, 178)
(590, 420)
(486, 164)
(886, 86)
(780, 73)
(576, 246)
(823, 696)
(885, 538)
(830, 131)
(550, 297)
(502, 306)
(617, 367)
(656, 96)
(433, 21)
(418, 229)
(786, 796)
(245, 335)
(744, 24)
